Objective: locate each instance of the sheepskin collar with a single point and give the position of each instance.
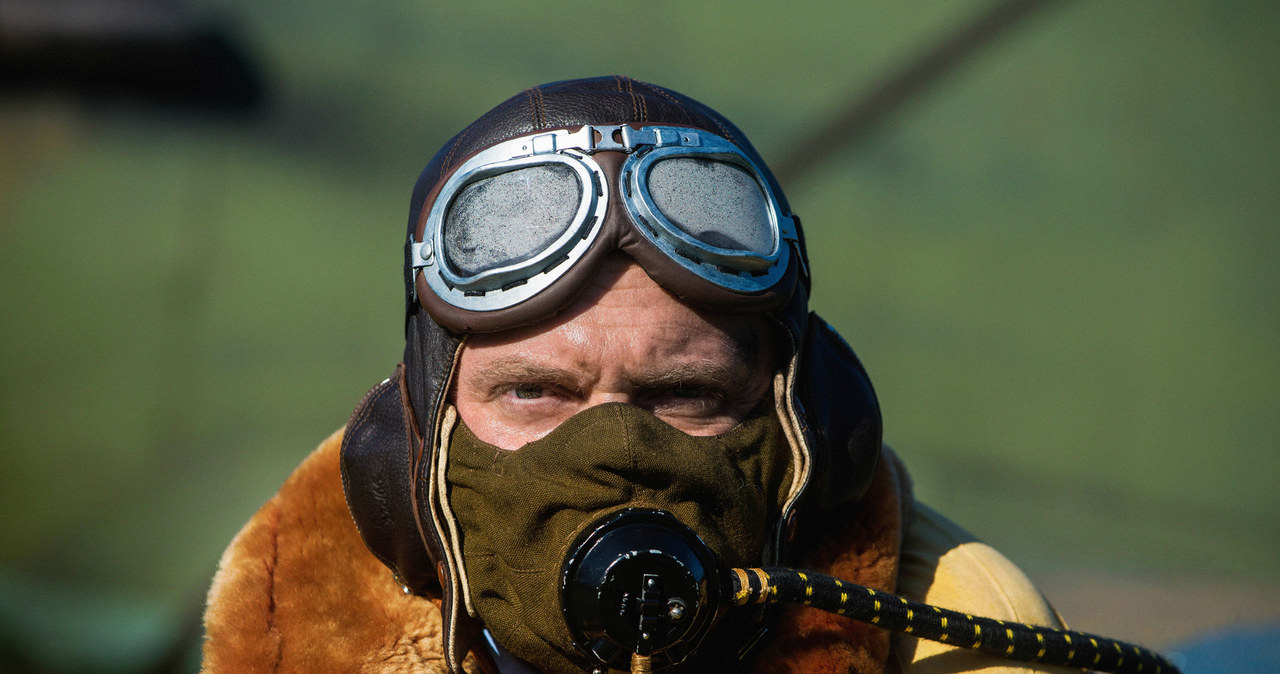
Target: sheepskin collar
(297, 591)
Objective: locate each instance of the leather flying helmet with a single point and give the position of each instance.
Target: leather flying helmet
(596, 166)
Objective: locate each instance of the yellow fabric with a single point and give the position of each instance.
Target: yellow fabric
(946, 566)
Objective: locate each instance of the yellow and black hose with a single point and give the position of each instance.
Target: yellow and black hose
(1015, 641)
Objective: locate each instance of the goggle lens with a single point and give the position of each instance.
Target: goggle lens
(509, 218)
(718, 203)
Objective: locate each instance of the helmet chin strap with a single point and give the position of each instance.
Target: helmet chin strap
(641, 590)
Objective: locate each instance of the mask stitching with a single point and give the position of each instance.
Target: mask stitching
(632, 462)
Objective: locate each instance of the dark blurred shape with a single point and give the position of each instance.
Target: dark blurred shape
(148, 50)
(914, 74)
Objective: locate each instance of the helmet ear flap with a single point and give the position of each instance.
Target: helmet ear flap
(842, 418)
(378, 451)
(381, 450)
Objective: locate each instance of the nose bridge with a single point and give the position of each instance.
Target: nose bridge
(601, 395)
(612, 383)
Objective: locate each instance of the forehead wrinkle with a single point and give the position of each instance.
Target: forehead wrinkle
(729, 351)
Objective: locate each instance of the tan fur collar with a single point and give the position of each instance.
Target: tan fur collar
(297, 591)
(860, 545)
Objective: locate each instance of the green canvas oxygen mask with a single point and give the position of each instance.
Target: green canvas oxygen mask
(520, 513)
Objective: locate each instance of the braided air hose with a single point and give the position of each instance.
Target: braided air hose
(1015, 641)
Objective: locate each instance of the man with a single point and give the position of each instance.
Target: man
(607, 333)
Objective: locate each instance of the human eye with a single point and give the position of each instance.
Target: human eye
(689, 391)
(528, 391)
(527, 394)
(531, 395)
(688, 399)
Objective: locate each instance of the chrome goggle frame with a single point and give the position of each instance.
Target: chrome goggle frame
(741, 271)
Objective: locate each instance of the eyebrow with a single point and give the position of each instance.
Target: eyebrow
(731, 377)
(517, 369)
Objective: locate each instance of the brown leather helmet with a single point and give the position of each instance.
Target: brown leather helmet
(824, 398)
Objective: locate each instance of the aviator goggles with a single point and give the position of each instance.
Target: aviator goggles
(514, 218)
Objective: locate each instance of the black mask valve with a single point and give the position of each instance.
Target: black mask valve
(639, 591)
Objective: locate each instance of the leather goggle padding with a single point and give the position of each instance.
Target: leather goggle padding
(617, 233)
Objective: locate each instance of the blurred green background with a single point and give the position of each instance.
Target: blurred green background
(1058, 264)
